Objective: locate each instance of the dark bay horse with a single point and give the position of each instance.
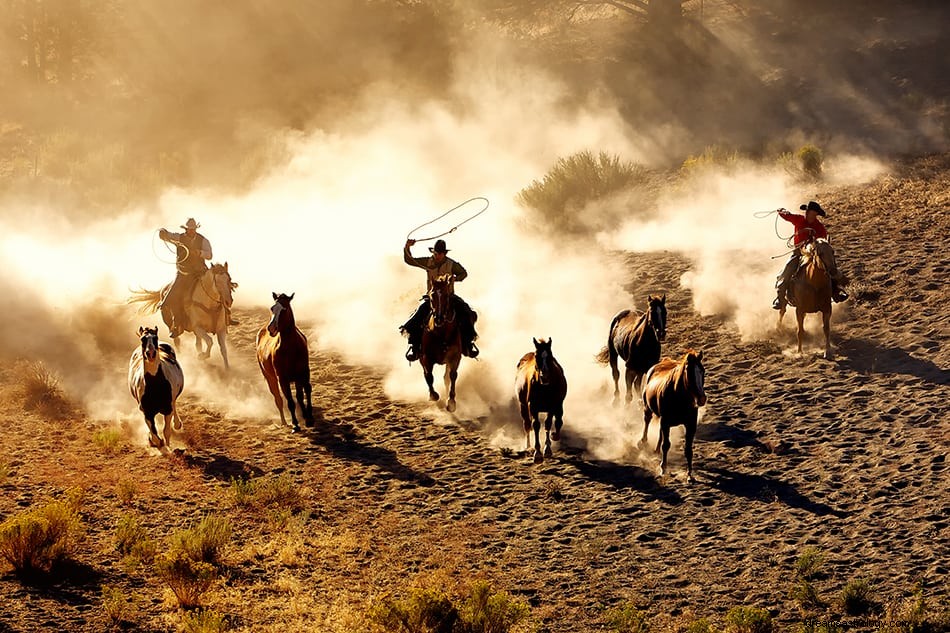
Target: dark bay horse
(284, 358)
(635, 338)
(441, 341)
(811, 289)
(673, 392)
(541, 388)
(207, 310)
(156, 381)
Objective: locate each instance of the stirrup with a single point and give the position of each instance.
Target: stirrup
(777, 304)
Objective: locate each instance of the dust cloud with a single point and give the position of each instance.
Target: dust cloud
(353, 162)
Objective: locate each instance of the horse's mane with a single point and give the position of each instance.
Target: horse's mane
(671, 371)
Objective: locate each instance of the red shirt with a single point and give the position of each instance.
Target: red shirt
(802, 234)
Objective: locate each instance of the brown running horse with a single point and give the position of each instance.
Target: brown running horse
(635, 338)
(541, 388)
(673, 392)
(441, 341)
(811, 289)
(284, 358)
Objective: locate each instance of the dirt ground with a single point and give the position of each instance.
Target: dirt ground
(847, 455)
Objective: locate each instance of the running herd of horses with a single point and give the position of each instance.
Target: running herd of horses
(668, 389)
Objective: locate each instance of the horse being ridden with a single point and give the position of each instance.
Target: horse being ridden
(441, 339)
(807, 228)
(156, 381)
(541, 388)
(811, 289)
(673, 392)
(208, 309)
(284, 358)
(635, 337)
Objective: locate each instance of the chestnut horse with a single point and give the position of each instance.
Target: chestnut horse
(673, 392)
(635, 338)
(207, 311)
(541, 388)
(811, 289)
(441, 341)
(284, 358)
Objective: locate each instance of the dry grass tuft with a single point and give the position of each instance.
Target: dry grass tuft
(39, 539)
(188, 579)
(119, 608)
(42, 391)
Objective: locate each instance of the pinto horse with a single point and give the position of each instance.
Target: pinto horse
(284, 358)
(156, 381)
(811, 289)
(541, 388)
(208, 310)
(673, 392)
(441, 341)
(635, 338)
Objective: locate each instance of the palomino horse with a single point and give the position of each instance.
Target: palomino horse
(673, 392)
(635, 338)
(156, 381)
(811, 289)
(207, 311)
(541, 388)
(441, 341)
(284, 358)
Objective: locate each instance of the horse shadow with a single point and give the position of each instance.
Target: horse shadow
(626, 477)
(730, 436)
(765, 489)
(866, 356)
(221, 467)
(343, 440)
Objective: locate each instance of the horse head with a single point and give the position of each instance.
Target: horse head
(440, 300)
(149, 338)
(656, 315)
(542, 359)
(280, 312)
(223, 283)
(695, 374)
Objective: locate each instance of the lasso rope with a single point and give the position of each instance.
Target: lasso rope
(789, 241)
(169, 248)
(454, 228)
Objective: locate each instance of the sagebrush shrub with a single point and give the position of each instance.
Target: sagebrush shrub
(812, 160)
(204, 541)
(37, 540)
(423, 611)
(42, 391)
(748, 620)
(627, 619)
(203, 621)
(857, 597)
(486, 611)
(133, 540)
(809, 563)
(188, 579)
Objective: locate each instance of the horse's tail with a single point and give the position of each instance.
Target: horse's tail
(604, 356)
(150, 299)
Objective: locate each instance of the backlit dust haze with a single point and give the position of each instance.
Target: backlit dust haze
(327, 216)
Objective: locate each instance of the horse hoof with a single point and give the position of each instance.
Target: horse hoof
(433, 396)
(450, 406)
(295, 429)
(556, 436)
(548, 453)
(538, 458)
(155, 441)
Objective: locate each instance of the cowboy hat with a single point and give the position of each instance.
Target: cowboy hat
(190, 224)
(813, 206)
(439, 247)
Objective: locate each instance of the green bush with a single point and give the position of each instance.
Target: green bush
(132, 540)
(117, 606)
(203, 542)
(627, 619)
(809, 563)
(424, 611)
(748, 620)
(806, 595)
(486, 611)
(812, 160)
(573, 183)
(39, 539)
(701, 625)
(713, 156)
(189, 579)
(203, 621)
(857, 597)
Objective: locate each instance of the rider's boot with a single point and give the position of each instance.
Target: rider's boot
(837, 294)
(779, 302)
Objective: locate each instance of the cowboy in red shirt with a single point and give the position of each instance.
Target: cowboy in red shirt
(807, 227)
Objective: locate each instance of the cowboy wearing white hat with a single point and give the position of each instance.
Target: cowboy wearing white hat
(193, 250)
(435, 267)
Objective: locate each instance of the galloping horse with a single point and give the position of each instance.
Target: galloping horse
(156, 381)
(541, 388)
(207, 311)
(811, 289)
(284, 358)
(441, 340)
(635, 337)
(674, 392)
